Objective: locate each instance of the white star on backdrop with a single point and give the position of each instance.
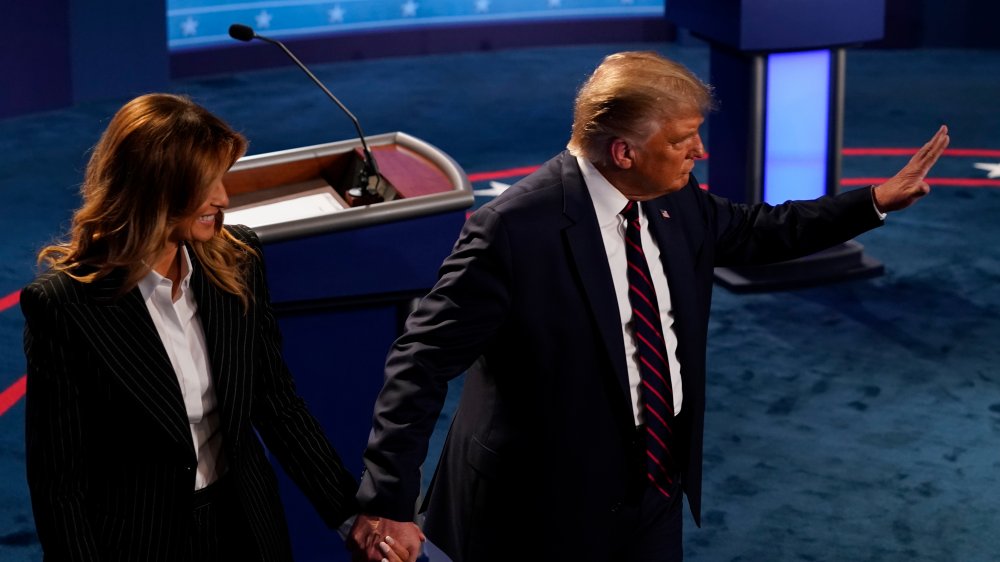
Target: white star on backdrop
(263, 19)
(409, 8)
(555, 3)
(336, 14)
(189, 27)
(993, 169)
(482, 6)
(628, 2)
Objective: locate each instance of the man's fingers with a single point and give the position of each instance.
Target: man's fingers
(928, 155)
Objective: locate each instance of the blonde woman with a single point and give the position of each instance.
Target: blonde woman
(154, 362)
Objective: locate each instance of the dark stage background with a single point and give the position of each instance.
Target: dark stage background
(853, 421)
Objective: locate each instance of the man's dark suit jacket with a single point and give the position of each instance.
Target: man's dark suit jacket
(110, 459)
(540, 449)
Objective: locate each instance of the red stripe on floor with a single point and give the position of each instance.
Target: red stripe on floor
(13, 394)
(973, 152)
(969, 152)
(10, 300)
(522, 171)
(954, 182)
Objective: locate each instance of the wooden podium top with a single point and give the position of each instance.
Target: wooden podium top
(304, 190)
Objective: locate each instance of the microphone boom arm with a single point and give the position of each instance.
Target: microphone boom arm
(369, 168)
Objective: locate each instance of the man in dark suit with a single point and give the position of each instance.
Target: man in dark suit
(581, 418)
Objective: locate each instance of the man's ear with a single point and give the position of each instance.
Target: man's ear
(621, 154)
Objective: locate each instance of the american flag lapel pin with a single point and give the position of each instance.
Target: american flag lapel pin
(664, 213)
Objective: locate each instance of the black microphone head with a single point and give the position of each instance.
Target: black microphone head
(241, 32)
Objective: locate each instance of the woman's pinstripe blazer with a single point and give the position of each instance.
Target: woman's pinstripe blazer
(110, 460)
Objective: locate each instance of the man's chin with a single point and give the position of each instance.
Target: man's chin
(682, 180)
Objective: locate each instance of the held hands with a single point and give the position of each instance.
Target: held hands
(908, 185)
(391, 550)
(377, 539)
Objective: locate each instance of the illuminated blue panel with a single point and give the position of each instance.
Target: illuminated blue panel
(797, 125)
(201, 23)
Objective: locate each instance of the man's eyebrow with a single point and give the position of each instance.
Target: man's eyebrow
(684, 137)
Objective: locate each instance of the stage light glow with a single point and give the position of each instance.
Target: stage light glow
(797, 120)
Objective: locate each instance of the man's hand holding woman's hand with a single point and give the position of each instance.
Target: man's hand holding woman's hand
(377, 539)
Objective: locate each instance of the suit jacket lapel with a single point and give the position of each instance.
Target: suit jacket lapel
(228, 341)
(122, 334)
(667, 227)
(583, 236)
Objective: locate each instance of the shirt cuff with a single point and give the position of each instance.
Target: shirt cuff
(345, 528)
(881, 215)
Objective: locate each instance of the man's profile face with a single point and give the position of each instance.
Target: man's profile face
(663, 163)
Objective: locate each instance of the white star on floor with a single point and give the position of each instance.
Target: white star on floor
(482, 6)
(495, 188)
(993, 169)
(336, 14)
(263, 19)
(189, 27)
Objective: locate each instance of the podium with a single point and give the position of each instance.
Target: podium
(342, 278)
(777, 67)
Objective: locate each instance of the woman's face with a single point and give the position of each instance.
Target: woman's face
(202, 224)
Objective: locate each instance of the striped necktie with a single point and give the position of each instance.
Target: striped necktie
(654, 372)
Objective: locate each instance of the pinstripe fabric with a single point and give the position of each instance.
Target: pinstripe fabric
(110, 459)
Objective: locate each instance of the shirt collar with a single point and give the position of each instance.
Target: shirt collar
(608, 201)
(153, 279)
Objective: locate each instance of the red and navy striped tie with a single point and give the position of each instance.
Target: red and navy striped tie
(654, 371)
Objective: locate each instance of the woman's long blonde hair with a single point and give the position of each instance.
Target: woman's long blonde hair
(151, 168)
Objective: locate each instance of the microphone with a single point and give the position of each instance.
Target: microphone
(369, 168)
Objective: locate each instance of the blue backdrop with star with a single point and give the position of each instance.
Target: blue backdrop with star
(201, 23)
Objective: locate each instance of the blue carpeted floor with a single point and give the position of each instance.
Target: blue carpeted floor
(857, 421)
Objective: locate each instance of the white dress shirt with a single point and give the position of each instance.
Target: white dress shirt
(608, 203)
(181, 332)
